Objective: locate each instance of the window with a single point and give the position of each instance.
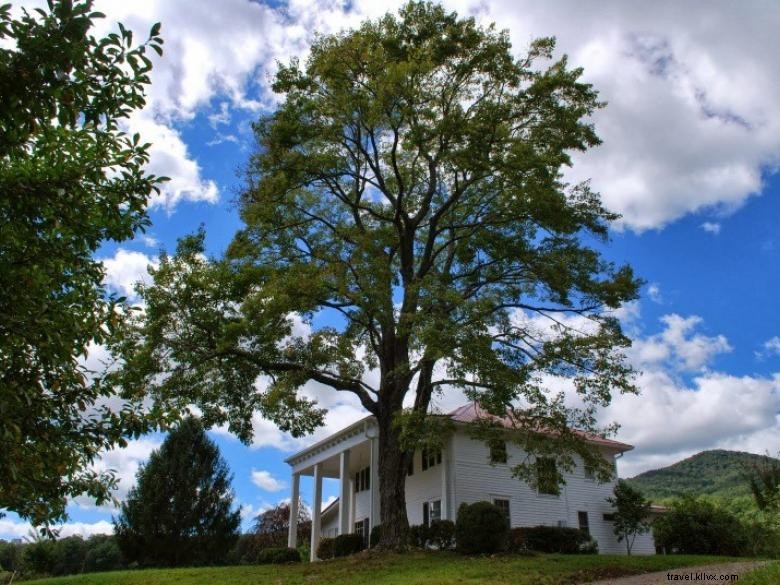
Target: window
(609, 517)
(547, 476)
(589, 473)
(410, 466)
(363, 479)
(498, 452)
(431, 512)
(430, 458)
(582, 519)
(361, 528)
(503, 505)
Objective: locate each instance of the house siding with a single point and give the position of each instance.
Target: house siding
(478, 479)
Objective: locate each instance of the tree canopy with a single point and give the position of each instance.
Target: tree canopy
(70, 179)
(407, 202)
(180, 512)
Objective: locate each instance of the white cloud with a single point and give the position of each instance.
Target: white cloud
(654, 292)
(678, 346)
(11, 529)
(711, 227)
(265, 481)
(771, 347)
(125, 269)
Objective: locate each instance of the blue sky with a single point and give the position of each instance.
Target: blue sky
(691, 144)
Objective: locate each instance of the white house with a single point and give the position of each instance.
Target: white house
(465, 470)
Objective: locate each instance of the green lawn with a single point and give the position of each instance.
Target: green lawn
(767, 576)
(411, 569)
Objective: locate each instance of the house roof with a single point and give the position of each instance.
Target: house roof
(472, 412)
(467, 413)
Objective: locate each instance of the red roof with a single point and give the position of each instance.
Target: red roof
(472, 412)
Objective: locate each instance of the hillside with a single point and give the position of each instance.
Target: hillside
(717, 473)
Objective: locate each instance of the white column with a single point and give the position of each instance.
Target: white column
(344, 496)
(445, 486)
(375, 517)
(292, 536)
(316, 512)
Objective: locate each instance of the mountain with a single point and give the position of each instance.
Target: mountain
(717, 473)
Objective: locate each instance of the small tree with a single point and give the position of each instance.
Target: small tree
(763, 477)
(631, 514)
(272, 526)
(180, 512)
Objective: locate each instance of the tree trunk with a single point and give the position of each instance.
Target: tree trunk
(392, 485)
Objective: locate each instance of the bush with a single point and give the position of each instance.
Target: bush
(376, 534)
(480, 528)
(550, 539)
(418, 536)
(103, 556)
(441, 534)
(697, 526)
(347, 544)
(278, 556)
(325, 549)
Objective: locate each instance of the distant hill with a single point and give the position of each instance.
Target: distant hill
(717, 473)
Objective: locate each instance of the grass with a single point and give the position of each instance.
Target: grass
(769, 575)
(411, 569)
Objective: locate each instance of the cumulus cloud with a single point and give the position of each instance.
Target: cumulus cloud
(265, 481)
(13, 529)
(678, 345)
(125, 268)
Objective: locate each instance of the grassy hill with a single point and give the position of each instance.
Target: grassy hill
(415, 568)
(716, 473)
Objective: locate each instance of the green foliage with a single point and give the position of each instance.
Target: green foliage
(409, 183)
(103, 555)
(549, 539)
(376, 533)
(631, 515)
(715, 473)
(763, 478)
(441, 534)
(179, 513)
(696, 526)
(70, 179)
(418, 536)
(325, 548)
(480, 528)
(278, 556)
(347, 544)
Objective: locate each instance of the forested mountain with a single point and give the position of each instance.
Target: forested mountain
(716, 473)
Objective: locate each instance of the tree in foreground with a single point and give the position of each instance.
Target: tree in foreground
(70, 180)
(408, 194)
(763, 478)
(180, 511)
(631, 515)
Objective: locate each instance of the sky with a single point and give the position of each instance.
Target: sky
(691, 146)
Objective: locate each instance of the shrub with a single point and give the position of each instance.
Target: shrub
(441, 534)
(480, 528)
(325, 549)
(589, 547)
(418, 536)
(278, 556)
(697, 526)
(551, 539)
(376, 534)
(103, 556)
(347, 544)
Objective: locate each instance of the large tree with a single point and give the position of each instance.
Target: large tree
(180, 512)
(407, 191)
